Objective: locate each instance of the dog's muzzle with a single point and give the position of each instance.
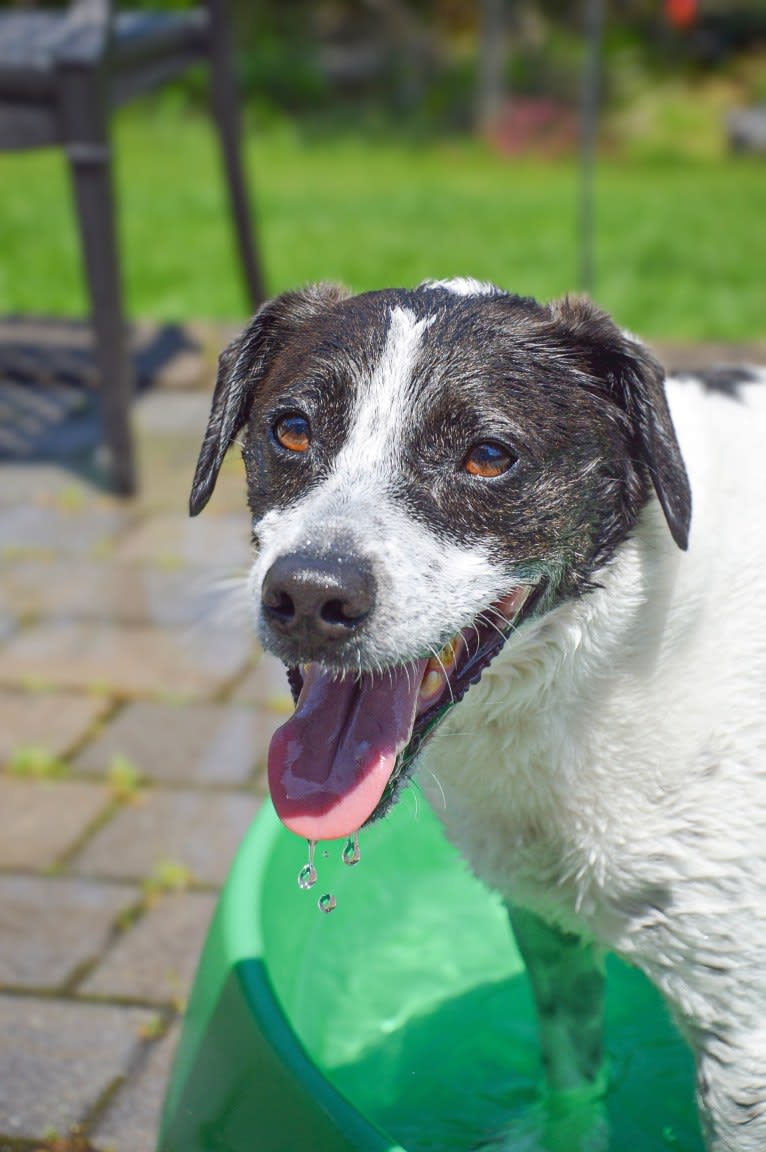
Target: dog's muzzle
(340, 760)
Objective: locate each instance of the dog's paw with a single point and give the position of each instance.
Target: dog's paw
(561, 1123)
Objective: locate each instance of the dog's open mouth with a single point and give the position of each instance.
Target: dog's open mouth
(339, 760)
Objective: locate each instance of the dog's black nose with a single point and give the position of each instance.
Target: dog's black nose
(317, 598)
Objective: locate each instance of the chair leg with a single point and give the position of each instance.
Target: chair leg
(225, 107)
(89, 156)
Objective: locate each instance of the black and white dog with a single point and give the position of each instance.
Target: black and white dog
(456, 487)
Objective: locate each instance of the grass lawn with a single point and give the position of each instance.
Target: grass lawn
(681, 245)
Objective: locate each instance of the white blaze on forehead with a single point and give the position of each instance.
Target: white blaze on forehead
(464, 286)
(384, 403)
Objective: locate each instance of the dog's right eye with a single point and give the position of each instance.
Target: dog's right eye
(293, 432)
(489, 459)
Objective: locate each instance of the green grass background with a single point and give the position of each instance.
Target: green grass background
(681, 242)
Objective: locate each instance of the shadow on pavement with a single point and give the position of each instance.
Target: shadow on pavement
(50, 406)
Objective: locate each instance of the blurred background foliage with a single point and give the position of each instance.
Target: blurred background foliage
(425, 61)
(390, 140)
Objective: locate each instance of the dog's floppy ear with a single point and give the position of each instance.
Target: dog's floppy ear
(635, 380)
(241, 368)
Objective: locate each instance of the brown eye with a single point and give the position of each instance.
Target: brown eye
(489, 459)
(293, 432)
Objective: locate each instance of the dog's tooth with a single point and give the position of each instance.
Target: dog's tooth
(451, 651)
(432, 682)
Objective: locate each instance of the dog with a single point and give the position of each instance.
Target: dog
(475, 552)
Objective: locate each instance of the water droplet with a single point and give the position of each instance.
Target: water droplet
(307, 877)
(351, 853)
(327, 902)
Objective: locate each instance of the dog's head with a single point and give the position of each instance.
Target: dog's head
(427, 470)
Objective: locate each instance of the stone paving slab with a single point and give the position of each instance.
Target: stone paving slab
(166, 540)
(46, 484)
(121, 594)
(196, 831)
(155, 960)
(132, 1120)
(9, 622)
(165, 470)
(46, 531)
(211, 744)
(50, 926)
(173, 414)
(166, 467)
(140, 661)
(59, 1057)
(52, 722)
(41, 820)
(266, 684)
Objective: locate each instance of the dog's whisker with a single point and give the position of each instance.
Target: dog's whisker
(491, 624)
(218, 601)
(487, 617)
(491, 610)
(440, 787)
(416, 792)
(234, 581)
(475, 628)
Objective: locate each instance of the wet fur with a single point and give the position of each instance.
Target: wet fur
(608, 774)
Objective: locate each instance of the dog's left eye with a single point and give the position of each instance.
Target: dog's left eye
(293, 432)
(489, 459)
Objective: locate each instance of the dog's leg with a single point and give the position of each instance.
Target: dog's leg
(731, 1091)
(567, 978)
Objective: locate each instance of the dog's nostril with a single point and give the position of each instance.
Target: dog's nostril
(342, 612)
(282, 607)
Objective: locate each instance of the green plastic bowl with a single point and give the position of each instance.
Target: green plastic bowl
(402, 1020)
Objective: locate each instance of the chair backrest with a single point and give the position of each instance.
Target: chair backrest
(88, 31)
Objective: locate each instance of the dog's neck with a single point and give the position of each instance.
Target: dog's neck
(526, 761)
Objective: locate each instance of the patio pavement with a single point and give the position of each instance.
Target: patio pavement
(135, 714)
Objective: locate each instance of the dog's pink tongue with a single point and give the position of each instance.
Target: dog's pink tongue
(330, 763)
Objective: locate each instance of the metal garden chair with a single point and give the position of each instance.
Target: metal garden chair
(61, 73)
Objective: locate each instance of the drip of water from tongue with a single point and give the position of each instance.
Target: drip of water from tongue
(307, 877)
(351, 853)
